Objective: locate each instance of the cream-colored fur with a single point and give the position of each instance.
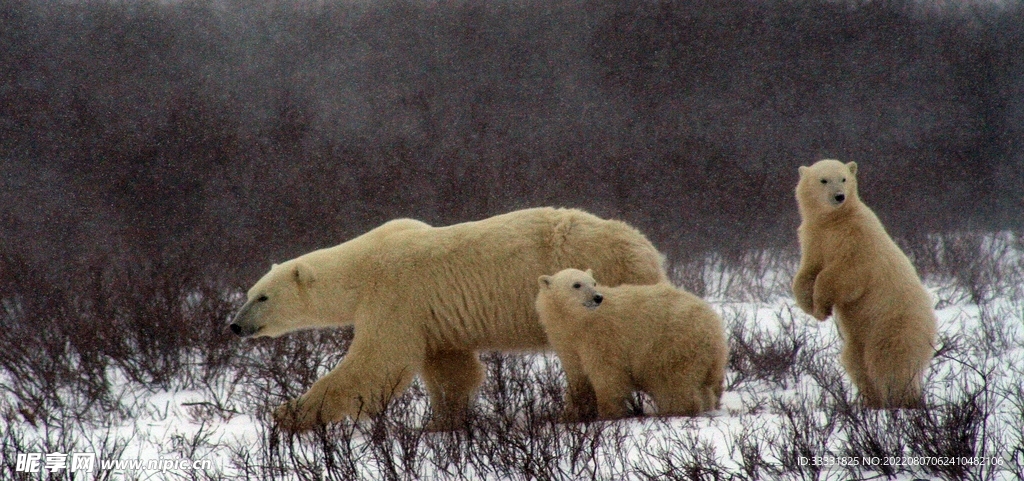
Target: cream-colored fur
(652, 338)
(424, 299)
(851, 268)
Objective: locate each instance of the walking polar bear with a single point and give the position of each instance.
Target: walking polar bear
(425, 299)
(851, 268)
(653, 338)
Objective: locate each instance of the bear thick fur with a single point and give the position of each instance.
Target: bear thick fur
(425, 299)
(651, 338)
(851, 268)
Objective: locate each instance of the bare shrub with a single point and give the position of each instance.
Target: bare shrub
(806, 433)
(759, 354)
(957, 425)
(684, 456)
(753, 446)
(874, 434)
(978, 266)
(1014, 458)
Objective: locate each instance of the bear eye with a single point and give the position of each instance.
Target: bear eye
(824, 181)
(844, 179)
(262, 298)
(577, 285)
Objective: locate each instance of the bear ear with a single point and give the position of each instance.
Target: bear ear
(303, 274)
(544, 282)
(853, 167)
(802, 170)
(590, 272)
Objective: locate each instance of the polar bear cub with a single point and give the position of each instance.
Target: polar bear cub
(652, 338)
(851, 269)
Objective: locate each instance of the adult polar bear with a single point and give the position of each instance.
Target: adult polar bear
(424, 299)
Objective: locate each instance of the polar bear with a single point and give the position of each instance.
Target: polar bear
(652, 338)
(425, 299)
(851, 268)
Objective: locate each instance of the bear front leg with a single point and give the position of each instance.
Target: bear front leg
(803, 288)
(612, 387)
(319, 405)
(580, 400)
(360, 385)
(824, 295)
(452, 379)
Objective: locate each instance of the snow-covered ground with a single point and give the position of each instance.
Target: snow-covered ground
(780, 418)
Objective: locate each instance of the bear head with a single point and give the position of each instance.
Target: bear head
(571, 287)
(283, 300)
(827, 186)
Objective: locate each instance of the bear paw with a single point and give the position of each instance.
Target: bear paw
(445, 424)
(576, 413)
(296, 416)
(821, 314)
(806, 305)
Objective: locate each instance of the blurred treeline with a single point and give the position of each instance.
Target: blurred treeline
(139, 133)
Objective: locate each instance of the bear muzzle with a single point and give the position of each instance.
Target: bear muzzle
(593, 302)
(836, 198)
(243, 331)
(241, 325)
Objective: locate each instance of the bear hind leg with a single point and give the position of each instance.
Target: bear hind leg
(853, 360)
(678, 402)
(679, 395)
(452, 378)
(896, 379)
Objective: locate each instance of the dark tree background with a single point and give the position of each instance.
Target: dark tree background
(232, 134)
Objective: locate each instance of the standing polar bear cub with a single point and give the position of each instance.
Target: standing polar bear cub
(851, 268)
(653, 338)
(424, 299)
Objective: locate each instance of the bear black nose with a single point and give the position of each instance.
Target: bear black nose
(235, 328)
(840, 197)
(598, 298)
